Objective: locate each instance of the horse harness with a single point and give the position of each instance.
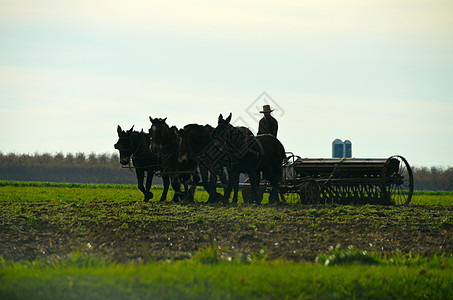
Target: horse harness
(259, 154)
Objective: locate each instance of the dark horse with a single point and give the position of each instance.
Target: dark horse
(135, 145)
(195, 142)
(163, 141)
(250, 155)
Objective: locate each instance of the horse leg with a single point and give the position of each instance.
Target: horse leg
(208, 181)
(273, 195)
(166, 181)
(278, 171)
(205, 180)
(254, 186)
(149, 180)
(227, 190)
(274, 174)
(188, 194)
(213, 196)
(234, 181)
(176, 185)
(194, 183)
(140, 173)
(222, 175)
(236, 190)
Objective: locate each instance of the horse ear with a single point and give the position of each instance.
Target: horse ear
(163, 120)
(150, 119)
(229, 118)
(119, 130)
(132, 128)
(220, 118)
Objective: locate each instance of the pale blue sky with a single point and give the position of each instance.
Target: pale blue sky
(379, 73)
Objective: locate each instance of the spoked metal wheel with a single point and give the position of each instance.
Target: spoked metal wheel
(289, 196)
(247, 194)
(398, 182)
(309, 192)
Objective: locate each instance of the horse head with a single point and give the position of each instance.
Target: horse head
(159, 133)
(124, 144)
(221, 132)
(182, 139)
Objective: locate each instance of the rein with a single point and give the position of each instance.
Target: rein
(333, 171)
(138, 148)
(260, 146)
(134, 167)
(243, 142)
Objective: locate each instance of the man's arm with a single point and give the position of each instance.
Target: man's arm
(261, 127)
(273, 126)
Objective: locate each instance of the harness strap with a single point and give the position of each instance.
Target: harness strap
(167, 151)
(260, 146)
(138, 148)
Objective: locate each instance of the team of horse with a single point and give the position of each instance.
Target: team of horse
(202, 155)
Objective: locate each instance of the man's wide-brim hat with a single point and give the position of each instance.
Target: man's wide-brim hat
(266, 109)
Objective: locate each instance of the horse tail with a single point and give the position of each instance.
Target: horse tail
(282, 152)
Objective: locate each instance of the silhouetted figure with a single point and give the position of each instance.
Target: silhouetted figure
(268, 124)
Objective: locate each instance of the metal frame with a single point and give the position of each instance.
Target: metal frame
(346, 181)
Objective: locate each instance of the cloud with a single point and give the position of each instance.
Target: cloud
(243, 19)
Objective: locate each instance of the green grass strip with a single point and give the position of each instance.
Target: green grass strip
(66, 185)
(35, 191)
(83, 277)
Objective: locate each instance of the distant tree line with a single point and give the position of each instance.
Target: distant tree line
(79, 167)
(105, 168)
(433, 179)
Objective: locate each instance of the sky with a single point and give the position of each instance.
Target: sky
(378, 73)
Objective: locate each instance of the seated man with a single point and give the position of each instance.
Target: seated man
(268, 124)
